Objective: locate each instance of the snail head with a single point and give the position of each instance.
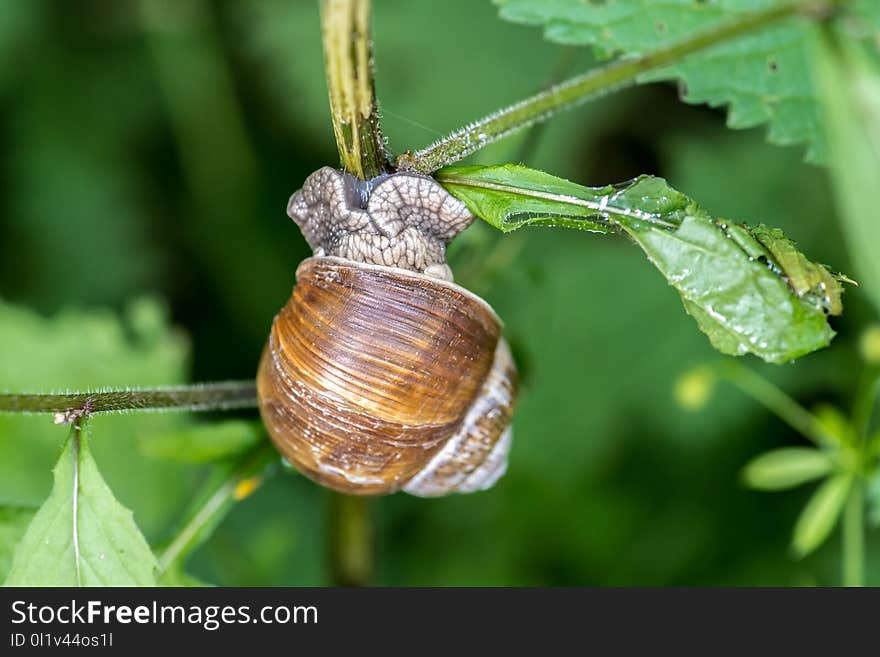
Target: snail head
(399, 220)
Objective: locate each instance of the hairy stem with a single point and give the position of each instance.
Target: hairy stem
(348, 61)
(199, 397)
(221, 492)
(775, 400)
(351, 540)
(598, 82)
(854, 537)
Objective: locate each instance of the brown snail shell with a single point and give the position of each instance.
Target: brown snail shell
(375, 378)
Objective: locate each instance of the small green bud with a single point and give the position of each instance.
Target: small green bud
(869, 344)
(693, 388)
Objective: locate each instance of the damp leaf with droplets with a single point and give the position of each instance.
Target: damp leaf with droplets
(749, 289)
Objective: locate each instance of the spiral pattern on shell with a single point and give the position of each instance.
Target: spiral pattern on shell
(379, 377)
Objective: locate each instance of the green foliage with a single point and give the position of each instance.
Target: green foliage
(13, 524)
(820, 514)
(81, 536)
(80, 349)
(205, 442)
(227, 484)
(601, 487)
(740, 303)
(786, 467)
(743, 297)
(77, 350)
(848, 460)
(807, 279)
(763, 78)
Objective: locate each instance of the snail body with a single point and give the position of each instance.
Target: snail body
(380, 374)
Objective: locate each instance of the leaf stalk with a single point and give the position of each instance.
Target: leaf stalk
(596, 83)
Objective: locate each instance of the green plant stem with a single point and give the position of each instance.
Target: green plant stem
(865, 400)
(199, 397)
(351, 540)
(774, 399)
(232, 484)
(348, 62)
(594, 84)
(854, 537)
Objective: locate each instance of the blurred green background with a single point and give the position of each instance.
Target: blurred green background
(147, 151)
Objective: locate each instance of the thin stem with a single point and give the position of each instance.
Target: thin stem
(598, 82)
(779, 403)
(220, 494)
(199, 397)
(854, 537)
(348, 61)
(865, 400)
(351, 540)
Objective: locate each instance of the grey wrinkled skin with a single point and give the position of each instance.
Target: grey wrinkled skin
(400, 220)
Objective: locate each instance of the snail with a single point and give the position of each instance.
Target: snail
(381, 374)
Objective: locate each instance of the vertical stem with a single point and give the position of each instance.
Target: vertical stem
(854, 537)
(865, 400)
(351, 540)
(348, 61)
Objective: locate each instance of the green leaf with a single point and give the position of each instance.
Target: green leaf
(786, 467)
(849, 79)
(205, 443)
(81, 536)
(87, 350)
(820, 514)
(873, 495)
(500, 196)
(836, 424)
(734, 287)
(806, 278)
(13, 523)
(763, 77)
(743, 305)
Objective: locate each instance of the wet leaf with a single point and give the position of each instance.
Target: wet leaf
(806, 278)
(728, 280)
